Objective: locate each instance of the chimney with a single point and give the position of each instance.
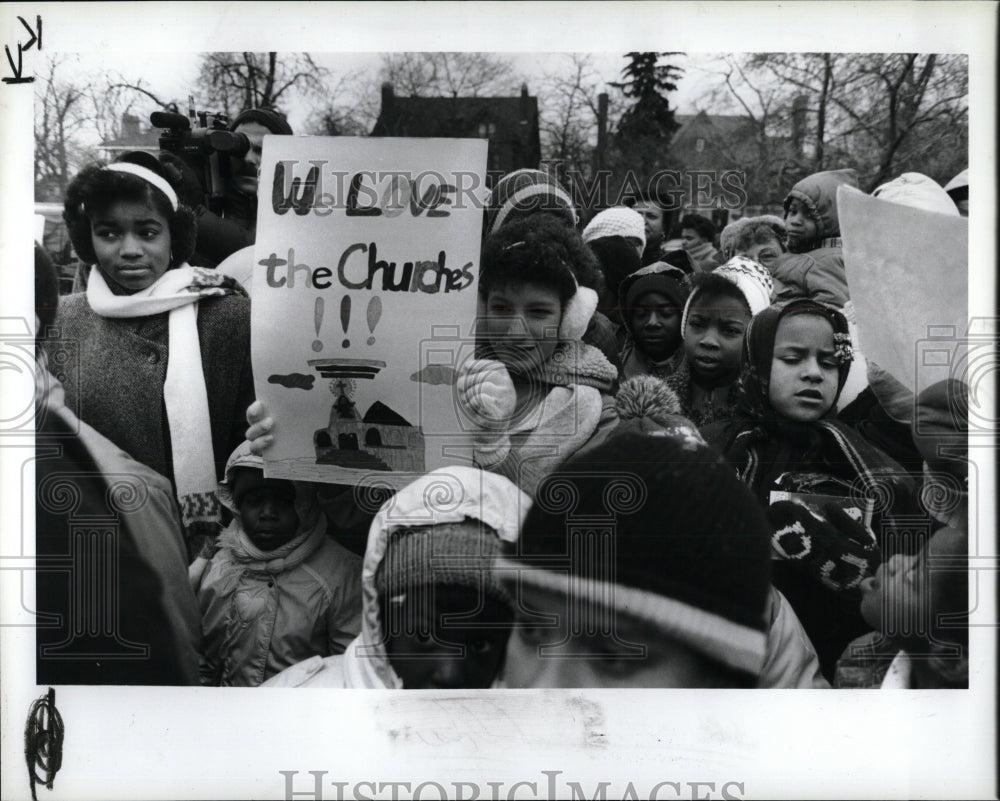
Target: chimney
(387, 99)
(799, 111)
(525, 104)
(130, 126)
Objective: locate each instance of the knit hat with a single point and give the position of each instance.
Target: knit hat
(647, 405)
(658, 528)
(445, 528)
(617, 221)
(270, 119)
(657, 277)
(919, 191)
(753, 281)
(525, 192)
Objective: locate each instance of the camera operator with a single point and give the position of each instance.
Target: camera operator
(220, 235)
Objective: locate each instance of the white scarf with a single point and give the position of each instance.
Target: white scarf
(177, 291)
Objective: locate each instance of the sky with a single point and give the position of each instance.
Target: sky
(174, 78)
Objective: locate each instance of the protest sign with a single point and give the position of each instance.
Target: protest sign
(907, 269)
(364, 299)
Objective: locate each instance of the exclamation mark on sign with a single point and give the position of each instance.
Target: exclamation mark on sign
(318, 321)
(345, 318)
(374, 315)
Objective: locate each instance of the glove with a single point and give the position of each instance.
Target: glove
(184, 180)
(487, 396)
(832, 547)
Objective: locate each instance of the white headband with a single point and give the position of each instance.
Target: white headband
(148, 176)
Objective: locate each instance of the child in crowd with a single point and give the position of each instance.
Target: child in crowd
(652, 302)
(655, 213)
(279, 589)
(698, 239)
(164, 348)
(670, 591)
(715, 318)
(618, 221)
(814, 265)
(796, 357)
(535, 393)
(435, 615)
(917, 606)
(524, 194)
(646, 405)
(761, 239)
(618, 260)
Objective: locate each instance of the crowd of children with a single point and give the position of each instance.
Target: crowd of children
(664, 492)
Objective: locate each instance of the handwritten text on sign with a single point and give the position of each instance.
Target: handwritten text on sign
(389, 228)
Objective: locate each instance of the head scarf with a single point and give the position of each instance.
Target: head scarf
(758, 353)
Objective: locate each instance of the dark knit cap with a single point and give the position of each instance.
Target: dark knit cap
(658, 277)
(941, 426)
(459, 553)
(526, 192)
(270, 119)
(659, 528)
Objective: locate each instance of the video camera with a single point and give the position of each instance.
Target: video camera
(199, 138)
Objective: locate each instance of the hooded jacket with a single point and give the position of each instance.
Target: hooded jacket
(476, 495)
(264, 611)
(818, 273)
(669, 281)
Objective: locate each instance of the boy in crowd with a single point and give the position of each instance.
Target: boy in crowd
(668, 590)
(698, 239)
(435, 615)
(652, 302)
(279, 590)
(916, 604)
(814, 264)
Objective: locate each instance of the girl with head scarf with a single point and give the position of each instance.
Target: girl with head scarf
(785, 438)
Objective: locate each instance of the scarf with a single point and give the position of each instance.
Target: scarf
(177, 293)
(822, 441)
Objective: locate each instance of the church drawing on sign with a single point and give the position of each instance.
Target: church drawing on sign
(381, 440)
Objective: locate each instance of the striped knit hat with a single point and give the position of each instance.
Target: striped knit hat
(617, 221)
(526, 192)
(659, 529)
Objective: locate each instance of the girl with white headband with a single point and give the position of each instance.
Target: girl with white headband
(156, 354)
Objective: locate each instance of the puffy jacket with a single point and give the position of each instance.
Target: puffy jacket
(263, 611)
(819, 273)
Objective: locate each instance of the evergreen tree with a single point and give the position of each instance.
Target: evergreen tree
(647, 82)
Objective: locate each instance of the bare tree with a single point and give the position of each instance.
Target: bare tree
(449, 74)
(232, 82)
(61, 111)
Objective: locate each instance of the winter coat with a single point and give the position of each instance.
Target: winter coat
(263, 611)
(117, 369)
(492, 499)
(157, 610)
(818, 273)
(790, 660)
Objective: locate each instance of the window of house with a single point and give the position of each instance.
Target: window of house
(699, 145)
(487, 130)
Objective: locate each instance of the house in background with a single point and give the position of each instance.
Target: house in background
(134, 136)
(509, 123)
(719, 142)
